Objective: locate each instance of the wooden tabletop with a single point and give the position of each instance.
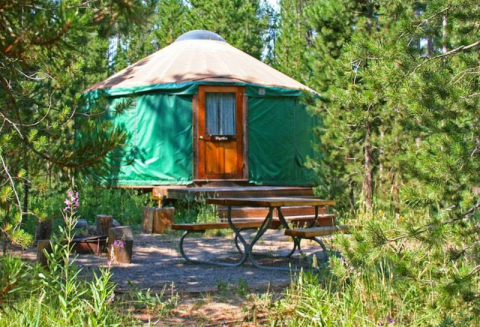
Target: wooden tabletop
(270, 202)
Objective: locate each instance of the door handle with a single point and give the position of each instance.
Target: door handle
(201, 137)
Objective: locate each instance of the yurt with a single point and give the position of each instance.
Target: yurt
(200, 110)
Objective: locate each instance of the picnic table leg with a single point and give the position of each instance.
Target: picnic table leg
(265, 226)
(260, 234)
(296, 240)
(217, 263)
(286, 256)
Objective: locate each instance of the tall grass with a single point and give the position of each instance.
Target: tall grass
(375, 281)
(59, 294)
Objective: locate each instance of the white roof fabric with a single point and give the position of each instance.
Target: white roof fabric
(198, 60)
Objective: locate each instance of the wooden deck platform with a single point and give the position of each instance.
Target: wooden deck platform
(192, 193)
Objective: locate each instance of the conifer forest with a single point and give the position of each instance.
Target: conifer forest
(397, 141)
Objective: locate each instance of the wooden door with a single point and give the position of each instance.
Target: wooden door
(220, 132)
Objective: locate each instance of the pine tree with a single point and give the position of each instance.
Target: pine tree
(49, 53)
(405, 91)
(242, 23)
(159, 29)
(294, 39)
(349, 125)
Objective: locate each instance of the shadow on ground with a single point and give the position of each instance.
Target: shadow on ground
(157, 263)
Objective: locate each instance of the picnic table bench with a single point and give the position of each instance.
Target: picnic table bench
(263, 224)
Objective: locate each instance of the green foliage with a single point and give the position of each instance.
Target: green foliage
(293, 38)
(125, 205)
(14, 281)
(56, 295)
(51, 52)
(385, 277)
(241, 23)
(399, 111)
(399, 87)
(158, 303)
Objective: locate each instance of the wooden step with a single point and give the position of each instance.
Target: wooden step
(246, 212)
(317, 231)
(185, 193)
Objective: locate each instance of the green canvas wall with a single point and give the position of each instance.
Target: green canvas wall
(280, 134)
(159, 150)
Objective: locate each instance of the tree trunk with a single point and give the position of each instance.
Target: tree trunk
(381, 158)
(351, 196)
(163, 219)
(147, 219)
(444, 34)
(26, 189)
(368, 178)
(4, 245)
(396, 192)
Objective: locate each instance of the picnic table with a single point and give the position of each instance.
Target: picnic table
(237, 226)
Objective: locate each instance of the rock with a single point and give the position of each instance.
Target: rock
(92, 230)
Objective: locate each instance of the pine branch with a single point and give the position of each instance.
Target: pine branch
(427, 227)
(100, 156)
(12, 183)
(449, 53)
(474, 271)
(425, 21)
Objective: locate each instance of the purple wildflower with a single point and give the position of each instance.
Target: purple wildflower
(71, 201)
(118, 244)
(390, 320)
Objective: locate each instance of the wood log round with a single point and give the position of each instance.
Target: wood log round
(122, 249)
(147, 220)
(43, 230)
(43, 245)
(104, 223)
(163, 219)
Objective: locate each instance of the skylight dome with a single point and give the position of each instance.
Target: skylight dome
(200, 35)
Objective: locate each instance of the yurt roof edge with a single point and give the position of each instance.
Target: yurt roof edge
(190, 88)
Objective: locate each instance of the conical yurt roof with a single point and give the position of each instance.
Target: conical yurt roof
(198, 56)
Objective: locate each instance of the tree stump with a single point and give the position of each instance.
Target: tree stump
(43, 230)
(104, 223)
(120, 244)
(163, 219)
(41, 246)
(147, 221)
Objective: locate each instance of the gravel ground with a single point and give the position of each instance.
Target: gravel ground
(157, 262)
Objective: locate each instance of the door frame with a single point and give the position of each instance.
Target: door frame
(241, 129)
